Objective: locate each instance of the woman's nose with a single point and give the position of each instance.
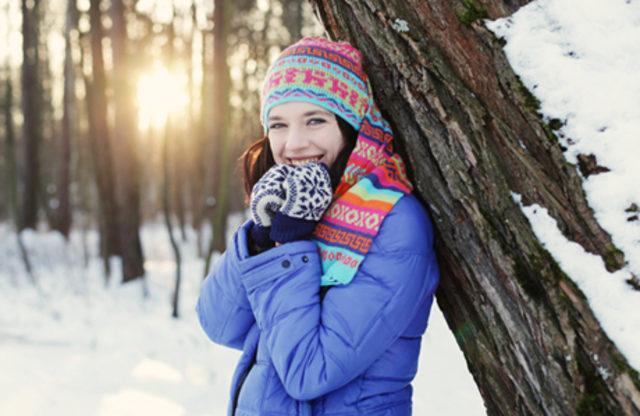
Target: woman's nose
(296, 141)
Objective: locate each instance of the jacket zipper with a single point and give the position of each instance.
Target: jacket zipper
(323, 292)
(236, 394)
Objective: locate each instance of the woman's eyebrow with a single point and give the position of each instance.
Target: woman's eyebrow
(307, 114)
(314, 112)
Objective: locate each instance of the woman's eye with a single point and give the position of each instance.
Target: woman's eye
(276, 125)
(317, 121)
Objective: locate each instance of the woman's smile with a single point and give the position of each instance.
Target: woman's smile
(302, 161)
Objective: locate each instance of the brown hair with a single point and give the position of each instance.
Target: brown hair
(257, 159)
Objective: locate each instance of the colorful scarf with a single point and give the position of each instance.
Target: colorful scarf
(329, 74)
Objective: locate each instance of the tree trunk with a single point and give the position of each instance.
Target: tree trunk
(221, 18)
(471, 135)
(173, 145)
(293, 19)
(196, 160)
(11, 177)
(31, 109)
(82, 168)
(166, 210)
(204, 160)
(179, 186)
(63, 222)
(49, 149)
(179, 164)
(125, 146)
(100, 142)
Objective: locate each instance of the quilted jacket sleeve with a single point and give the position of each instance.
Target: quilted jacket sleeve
(223, 309)
(317, 348)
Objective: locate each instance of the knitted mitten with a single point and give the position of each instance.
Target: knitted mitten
(267, 196)
(308, 195)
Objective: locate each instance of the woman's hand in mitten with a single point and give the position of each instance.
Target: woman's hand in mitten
(308, 195)
(267, 196)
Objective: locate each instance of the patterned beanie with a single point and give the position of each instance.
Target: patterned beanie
(330, 75)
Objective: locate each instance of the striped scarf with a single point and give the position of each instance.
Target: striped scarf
(329, 74)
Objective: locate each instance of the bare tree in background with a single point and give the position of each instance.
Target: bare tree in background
(63, 220)
(472, 135)
(293, 18)
(125, 149)
(99, 138)
(50, 148)
(32, 112)
(10, 184)
(196, 130)
(178, 186)
(171, 145)
(222, 13)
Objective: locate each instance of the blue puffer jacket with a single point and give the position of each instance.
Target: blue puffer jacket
(354, 353)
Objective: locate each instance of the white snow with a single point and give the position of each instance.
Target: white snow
(582, 61)
(75, 346)
(613, 301)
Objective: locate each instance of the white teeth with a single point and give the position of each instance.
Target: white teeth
(303, 161)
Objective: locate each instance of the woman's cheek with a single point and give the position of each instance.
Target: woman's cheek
(276, 149)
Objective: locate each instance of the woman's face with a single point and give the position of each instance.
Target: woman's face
(300, 132)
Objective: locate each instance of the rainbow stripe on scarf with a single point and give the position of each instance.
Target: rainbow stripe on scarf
(329, 74)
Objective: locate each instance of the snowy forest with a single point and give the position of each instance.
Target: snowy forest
(122, 124)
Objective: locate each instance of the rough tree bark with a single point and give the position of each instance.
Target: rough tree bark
(460, 115)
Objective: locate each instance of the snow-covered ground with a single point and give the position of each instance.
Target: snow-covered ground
(75, 347)
(582, 61)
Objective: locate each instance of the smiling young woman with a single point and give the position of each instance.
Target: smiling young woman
(331, 208)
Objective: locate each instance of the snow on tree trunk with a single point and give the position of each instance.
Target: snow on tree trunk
(471, 134)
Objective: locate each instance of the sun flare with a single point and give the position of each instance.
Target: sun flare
(161, 93)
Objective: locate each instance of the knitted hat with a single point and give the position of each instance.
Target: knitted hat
(321, 72)
(330, 74)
